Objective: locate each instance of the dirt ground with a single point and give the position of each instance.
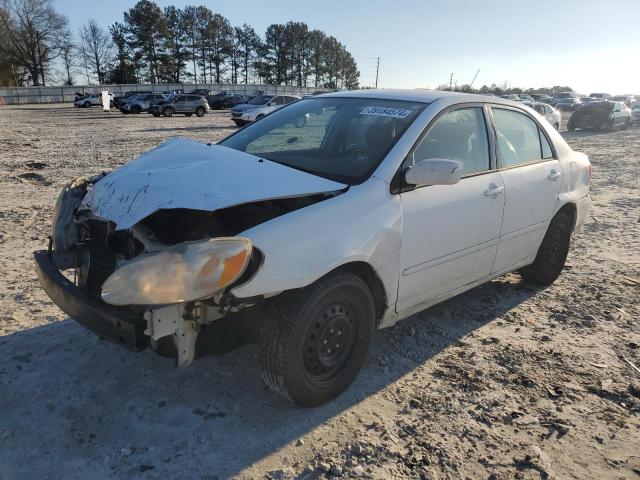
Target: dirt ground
(506, 381)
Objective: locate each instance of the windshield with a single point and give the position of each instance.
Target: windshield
(260, 99)
(342, 139)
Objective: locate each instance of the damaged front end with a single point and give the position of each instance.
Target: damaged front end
(141, 271)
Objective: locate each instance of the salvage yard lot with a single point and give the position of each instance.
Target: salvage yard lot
(506, 380)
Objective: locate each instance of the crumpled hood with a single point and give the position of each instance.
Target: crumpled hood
(188, 174)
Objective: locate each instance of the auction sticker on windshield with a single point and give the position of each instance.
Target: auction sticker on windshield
(386, 112)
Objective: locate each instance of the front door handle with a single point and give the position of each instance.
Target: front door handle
(493, 190)
(553, 175)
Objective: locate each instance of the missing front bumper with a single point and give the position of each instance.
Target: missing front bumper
(118, 325)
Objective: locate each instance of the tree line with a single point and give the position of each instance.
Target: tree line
(170, 45)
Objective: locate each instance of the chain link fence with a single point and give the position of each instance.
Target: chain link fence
(24, 95)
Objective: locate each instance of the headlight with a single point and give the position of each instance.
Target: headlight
(180, 273)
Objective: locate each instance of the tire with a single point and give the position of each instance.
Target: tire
(570, 126)
(295, 356)
(188, 114)
(557, 126)
(552, 252)
(167, 112)
(200, 111)
(86, 104)
(136, 109)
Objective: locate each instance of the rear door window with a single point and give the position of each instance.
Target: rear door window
(519, 138)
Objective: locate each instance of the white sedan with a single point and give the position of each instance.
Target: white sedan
(307, 236)
(551, 114)
(93, 99)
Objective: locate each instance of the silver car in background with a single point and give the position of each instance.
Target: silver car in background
(260, 106)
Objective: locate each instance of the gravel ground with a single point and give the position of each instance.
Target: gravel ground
(506, 381)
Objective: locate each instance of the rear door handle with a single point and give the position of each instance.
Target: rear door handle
(493, 191)
(554, 175)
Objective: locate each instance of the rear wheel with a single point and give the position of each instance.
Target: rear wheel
(188, 114)
(552, 252)
(86, 104)
(136, 109)
(167, 112)
(314, 341)
(200, 111)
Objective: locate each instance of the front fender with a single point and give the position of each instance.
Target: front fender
(362, 224)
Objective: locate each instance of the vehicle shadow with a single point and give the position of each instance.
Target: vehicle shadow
(78, 407)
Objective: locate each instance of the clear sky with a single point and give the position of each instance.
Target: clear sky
(590, 45)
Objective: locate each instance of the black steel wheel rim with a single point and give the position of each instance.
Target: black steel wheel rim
(329, 342)
(554, 247)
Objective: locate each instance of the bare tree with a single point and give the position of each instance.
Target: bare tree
(68, 57)
(33, 30)
(97, 48)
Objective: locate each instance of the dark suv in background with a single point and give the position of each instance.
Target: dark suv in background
(226, 100)
(183, 103)
(117, 101)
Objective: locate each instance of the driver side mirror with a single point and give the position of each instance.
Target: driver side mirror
(435, 171)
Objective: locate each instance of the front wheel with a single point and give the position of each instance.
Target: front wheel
(314, 341)
(552, 252)
(200, 111)
(167, 112)
(87, 104)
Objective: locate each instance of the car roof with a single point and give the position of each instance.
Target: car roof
(418, 95)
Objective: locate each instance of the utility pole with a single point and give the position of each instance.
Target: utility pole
(377, 70)
(474, 78)
(450, 81)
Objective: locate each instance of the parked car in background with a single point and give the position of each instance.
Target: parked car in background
(218, 102)
(569, 104)
(552, 115)
(186, 104)
(561, 95)
(511, 96)
(93, 99)
(601, 96)
(603, 115)
(307, 236)
(587, 100)
(201, 91)
(628, 100)
(140, 103)
(118, 99)
(525, 98)
(635, 114)
(259, 106)
(542, 98)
